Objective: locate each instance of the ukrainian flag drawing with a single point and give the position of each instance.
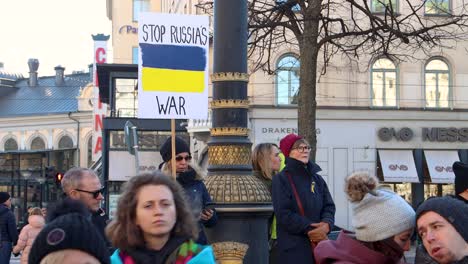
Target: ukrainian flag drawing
(171, 68)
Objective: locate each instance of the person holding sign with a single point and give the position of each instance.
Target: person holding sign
(190, 177)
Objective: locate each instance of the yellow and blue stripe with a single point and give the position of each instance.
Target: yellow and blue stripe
(171, 68)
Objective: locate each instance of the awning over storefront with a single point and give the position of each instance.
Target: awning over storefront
(439, 163)
(398, 166)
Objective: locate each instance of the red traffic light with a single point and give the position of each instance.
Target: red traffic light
(58, 177)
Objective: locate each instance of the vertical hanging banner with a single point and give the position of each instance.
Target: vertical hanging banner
(173, 66)
(99, 109)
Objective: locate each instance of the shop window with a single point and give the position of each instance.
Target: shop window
(11, 144)
(37, 144)
(384, 83)
(437, 83)
(437, 7)
(90, 152)
(126, 97)
(379, 6)
(140, 6)
(65, 143)
(287, 80)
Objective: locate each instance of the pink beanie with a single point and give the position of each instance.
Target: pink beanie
(287, 142)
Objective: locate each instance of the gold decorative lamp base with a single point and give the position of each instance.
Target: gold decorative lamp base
(230, 252)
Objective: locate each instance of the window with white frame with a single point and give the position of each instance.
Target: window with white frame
(437, 7)
(384, 83)
(11, 144)
(140, 6)
(437, 83)
(37, 144)
(287, 80)
(65, 142)
(379, 6)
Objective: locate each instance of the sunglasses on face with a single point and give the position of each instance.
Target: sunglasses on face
(186, 158)
(95, 193)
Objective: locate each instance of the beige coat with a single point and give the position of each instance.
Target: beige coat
(27, 236)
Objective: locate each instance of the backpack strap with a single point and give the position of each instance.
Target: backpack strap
(296, 195)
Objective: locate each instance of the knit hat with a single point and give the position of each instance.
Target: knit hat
(4, 196)
(166, 150)
(455, 211)
(70, 230)
(377, 214)
(287, 142)
(461, 176)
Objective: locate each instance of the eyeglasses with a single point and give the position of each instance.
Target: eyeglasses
(186, 158)
(95, 193)
(303, 148)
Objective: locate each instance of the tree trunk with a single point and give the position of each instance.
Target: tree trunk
(307, 104)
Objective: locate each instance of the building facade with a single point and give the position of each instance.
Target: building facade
(403, 121)
(45, 129)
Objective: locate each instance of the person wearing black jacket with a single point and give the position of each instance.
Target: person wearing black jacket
(8, 230)
(303, 206)
(461, 181)
(190, 177)
(83, 184)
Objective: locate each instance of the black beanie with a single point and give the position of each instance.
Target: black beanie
(180, 146)
(453, 210)
(71, 230)
(461, 176)
(4, 196)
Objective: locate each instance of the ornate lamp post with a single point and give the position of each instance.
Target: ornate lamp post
(242, 201)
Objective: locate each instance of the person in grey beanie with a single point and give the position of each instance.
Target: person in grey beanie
(442, 225)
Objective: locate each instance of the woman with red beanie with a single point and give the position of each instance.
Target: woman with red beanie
(303, 206)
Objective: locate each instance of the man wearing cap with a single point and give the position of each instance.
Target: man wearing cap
(8, 231)
(461, 180)
(442, 225)
(83, 184)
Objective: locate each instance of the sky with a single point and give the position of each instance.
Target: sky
(56, 32)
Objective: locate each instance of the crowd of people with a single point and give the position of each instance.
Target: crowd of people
(161, 220)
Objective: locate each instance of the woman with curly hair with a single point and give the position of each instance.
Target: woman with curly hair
(383, 223)
(153, 224)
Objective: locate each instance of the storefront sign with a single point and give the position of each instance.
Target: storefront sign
(128, 29)
(437, 134)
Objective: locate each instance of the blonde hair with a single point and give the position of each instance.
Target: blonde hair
(261, 161)
(35, 211)
(59, 257)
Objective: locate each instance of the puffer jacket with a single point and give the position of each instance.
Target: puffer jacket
(28, 235)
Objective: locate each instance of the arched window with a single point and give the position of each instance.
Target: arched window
(384, 83)
(11, 144)
(65, 143)
(37, 144)
(90, 152)
(287, 80)
(437, 83)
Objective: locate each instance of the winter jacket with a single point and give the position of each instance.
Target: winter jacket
(198, 197)
(28, 235)
(347, 250)
(8, 231)
(293, 243)
(175, 251)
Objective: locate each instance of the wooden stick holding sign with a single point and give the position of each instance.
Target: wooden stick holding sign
(173, 149)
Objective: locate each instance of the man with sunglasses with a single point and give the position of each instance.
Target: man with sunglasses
(83, 184)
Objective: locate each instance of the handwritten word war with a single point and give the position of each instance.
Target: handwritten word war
(171, 104)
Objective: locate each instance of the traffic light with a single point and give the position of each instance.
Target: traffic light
(58, 178)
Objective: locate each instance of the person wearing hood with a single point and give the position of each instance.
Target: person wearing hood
(8, 231)
(154, 224)
(304, 208)
(29, 233)
(190, 177)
